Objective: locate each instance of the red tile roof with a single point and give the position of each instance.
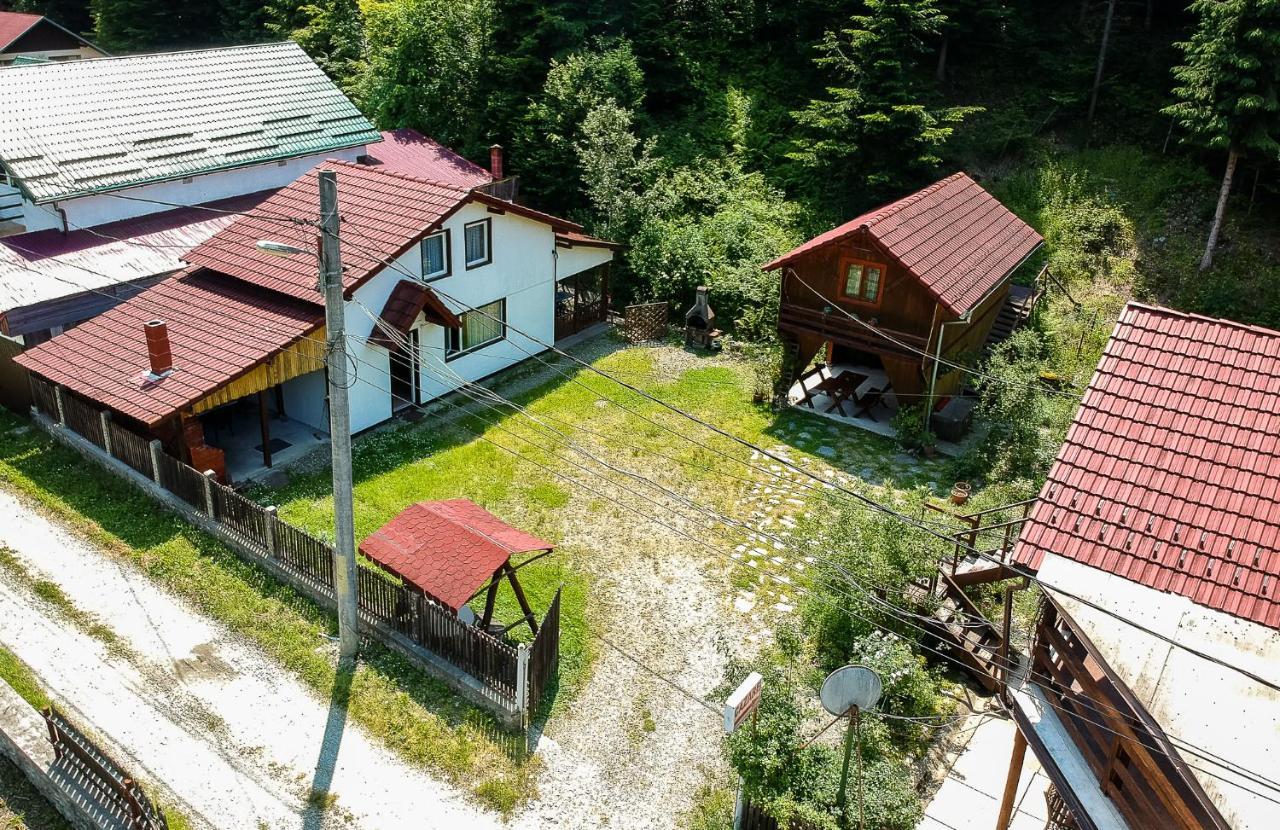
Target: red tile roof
(953, 236)
(409, 299)
(14, 25)
(410, 152)
(1170, 474)
(218, 329)
(449, 549)
(383, 213)
(571, 238)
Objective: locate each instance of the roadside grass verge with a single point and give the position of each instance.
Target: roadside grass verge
(412, 714)
(21, 679)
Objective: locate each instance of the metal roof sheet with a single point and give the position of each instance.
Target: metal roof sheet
(953, 236)
(448, 549)
(1170, 473)
(47, 265)
(80, 127)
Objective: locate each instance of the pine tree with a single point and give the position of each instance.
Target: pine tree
(871, 134)
(1229, 88)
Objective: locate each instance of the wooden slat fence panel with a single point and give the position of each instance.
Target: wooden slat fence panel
(83, 419)
(755, 818)
(132, 449)
(544, 656)
(117, 792)
(44, 398)
(647, 321)
(479, 654)
(239, 515)
(181, 480)
(305, 555)
(385, 601)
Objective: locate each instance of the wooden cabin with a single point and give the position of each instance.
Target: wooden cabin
(927, 275)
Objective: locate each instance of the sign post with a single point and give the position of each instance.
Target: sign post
(744, 701)
(845, 693)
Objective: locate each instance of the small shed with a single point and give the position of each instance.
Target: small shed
(454, 550)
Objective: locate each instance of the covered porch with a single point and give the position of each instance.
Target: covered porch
(256, 434)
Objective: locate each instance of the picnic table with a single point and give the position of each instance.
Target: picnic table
(839, 388)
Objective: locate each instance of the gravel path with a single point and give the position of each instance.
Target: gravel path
(211, 723)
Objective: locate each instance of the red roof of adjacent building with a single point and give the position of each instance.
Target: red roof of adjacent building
(412, 153)
(383, 213)
(14, 25)
(218, 328)
(448, 549)
(1170, 474)
(953, 236)
(570, 238)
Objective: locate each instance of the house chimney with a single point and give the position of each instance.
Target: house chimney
(158, 348)
(495, 161)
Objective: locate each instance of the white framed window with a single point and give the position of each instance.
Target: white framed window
(435, 256)
(481, 326)
(476, 243)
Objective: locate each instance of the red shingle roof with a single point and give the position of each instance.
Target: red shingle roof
(407, 300)
(1170, 474)
(953, 236)
(449, 549)
(218, 328)
(14, 25)
(383, 213)
(412, 153)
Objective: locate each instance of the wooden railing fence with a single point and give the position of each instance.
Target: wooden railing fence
(115, 791)
(755, 818)
(309, 561)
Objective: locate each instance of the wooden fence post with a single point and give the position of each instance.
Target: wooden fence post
(156, 449)
(522, 681)
(209, 476)
(104, 418)
(269, 530)
(62, 412)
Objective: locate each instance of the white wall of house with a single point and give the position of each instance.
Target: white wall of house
(304, 400)
(521, 271)
(88, 211)
(570, 261)
(1205, 704)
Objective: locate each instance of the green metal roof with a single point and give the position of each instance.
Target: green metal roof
(82, 127)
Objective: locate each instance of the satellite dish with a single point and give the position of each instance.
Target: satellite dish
(850, 686)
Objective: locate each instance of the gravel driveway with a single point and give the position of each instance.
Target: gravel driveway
(212, 724)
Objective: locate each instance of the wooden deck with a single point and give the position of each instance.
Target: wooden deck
(837, 327)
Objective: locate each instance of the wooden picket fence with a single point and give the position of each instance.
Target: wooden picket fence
(115, 791)
(309, 561)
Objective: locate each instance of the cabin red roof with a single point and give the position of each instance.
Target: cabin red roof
(14, 25)
(1170, 474)
(953, 236)
(448, 549)
(412, 153)
(218, 329)
(407, 300)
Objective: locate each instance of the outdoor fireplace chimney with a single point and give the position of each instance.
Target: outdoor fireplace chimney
(158, 348)
(699, 321)
(495, 161)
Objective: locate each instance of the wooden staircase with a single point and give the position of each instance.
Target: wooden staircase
(957, 623)
(1013, 314)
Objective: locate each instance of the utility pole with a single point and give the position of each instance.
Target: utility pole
(344, 551)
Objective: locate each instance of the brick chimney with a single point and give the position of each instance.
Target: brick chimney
(158, 348)
(495, 161)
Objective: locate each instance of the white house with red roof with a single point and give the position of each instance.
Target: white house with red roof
(1162, 511)
(223, 362)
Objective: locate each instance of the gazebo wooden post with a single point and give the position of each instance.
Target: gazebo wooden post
(490, 599)
(524, 603)
(264, 424)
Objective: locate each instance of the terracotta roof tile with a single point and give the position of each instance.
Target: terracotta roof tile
(412, 153)
(14, 25)
(448, 549)
(953, 236)
(1172, 431)
(409, 299)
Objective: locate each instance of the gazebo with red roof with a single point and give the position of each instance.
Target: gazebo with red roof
(452, 551)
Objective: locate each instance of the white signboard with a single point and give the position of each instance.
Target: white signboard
(744, 700)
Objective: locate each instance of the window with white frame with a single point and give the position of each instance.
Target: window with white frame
(435, 256)
(481, 326)
(476, 243)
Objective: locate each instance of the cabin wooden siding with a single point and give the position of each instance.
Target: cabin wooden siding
(906, 310)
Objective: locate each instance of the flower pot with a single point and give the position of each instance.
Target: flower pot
(960, 492)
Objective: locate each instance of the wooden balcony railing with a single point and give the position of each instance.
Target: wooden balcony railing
(835, 325)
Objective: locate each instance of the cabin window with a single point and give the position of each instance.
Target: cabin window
(862, 281)
(481, 326)
(476, 241)
(435, 256)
